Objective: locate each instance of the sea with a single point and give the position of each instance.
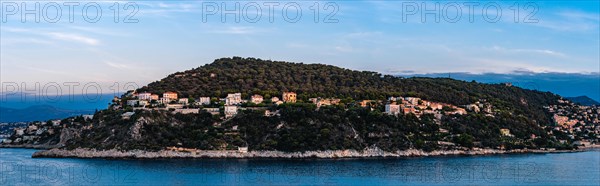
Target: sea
(578, 168)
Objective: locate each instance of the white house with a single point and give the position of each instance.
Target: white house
(213, 111)
(230, 111)
(256, 99)
(19, 131)
(143, 103)
(187, 111)
(132, 102)
(204, 101)
(413, 100)
(233, 99)
(274, 99)
(392, 109)
(164, 100)
(145, 96)
(174, 106)
(183, 101)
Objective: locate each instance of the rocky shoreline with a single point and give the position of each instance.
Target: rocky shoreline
(330, 154)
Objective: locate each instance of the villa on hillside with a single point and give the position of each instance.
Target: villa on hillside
(256, 99)
(145, 96)
(233, 99)
(392, 109)
(170, 95)
(289, 97)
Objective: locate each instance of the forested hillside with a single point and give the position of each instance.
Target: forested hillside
(271, 78)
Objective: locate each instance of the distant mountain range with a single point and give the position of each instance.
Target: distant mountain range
(583, 100)
(38, 113)
(564, 84)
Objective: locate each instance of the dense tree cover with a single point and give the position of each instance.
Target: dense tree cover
(271, 78)
(299, 128)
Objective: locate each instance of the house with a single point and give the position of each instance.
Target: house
(289, 97)
(364, 103)
(473, 107)
(183, 101)
(243, 149)
(230, 111)
(392, 109)
(145, 96)
(394, 99)
(505, 132)
(187, 111)
(55, 122)
(19, 131)
(213, 111)
(233, 99)
(204, 101)
(87, 116)
(436, 106)
(132, 102)
(256, 99)
(32, 128)
(170, 95)
(408, 109)
(174, 106)
(324, 102)
(164, 100)
(274, 99)
(143, 103)
(154, 97)
(413, 100)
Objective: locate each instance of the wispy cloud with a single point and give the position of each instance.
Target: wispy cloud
(530, 51)
(74, 38)
(570, 21)
(236, 30)
(117, 65)
(65, 36)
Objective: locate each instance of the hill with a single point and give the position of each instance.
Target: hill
(271, 78)
(583, 100)
(516, 119)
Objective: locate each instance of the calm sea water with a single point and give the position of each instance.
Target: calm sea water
(582, 168)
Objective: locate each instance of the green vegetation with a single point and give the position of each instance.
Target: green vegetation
(300, 127)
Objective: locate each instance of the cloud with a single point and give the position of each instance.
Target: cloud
(237, 30)
(531, 51)
(570, 21)
(65, 36)
(117, 65)
(74, 37)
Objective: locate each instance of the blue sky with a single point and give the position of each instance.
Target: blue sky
(382, 36)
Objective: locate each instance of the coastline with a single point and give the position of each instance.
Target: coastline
(329, 154)
(30, 146)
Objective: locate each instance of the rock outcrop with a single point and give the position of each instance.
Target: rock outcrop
(330, 154)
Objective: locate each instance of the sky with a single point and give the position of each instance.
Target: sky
(93, 45)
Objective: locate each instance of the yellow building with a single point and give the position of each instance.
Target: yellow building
(170, 95)
(289, 97)
(505, 132)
